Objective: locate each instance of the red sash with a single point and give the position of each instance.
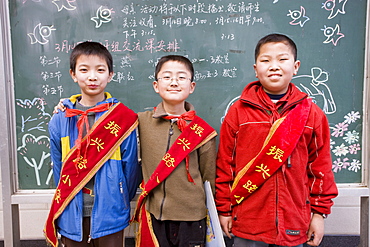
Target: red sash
(194, 135)
(278, 146)
(105, 136)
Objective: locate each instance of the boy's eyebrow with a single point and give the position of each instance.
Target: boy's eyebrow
(280, 54)
(169, 71)
(98, 65)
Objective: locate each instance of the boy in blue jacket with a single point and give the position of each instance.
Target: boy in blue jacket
(94, 153)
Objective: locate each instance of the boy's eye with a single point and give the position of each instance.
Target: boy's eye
(182, 78)
(166, 77)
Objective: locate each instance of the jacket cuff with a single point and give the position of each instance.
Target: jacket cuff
(225, 213)
(323, 215)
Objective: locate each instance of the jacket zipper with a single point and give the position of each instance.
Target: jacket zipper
(91, 217)
(170, 133)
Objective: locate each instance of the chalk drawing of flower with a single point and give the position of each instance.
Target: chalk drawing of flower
(355, 165)
(341, 150)
(352, 117)
(354, 148)
(332, 143)
(339, 129)
(352, 137)
(339, 164)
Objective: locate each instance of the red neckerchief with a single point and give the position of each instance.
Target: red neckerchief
(84, 121)
(181, 123)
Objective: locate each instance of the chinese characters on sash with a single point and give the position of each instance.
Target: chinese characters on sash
(274, 153)
(112, 130)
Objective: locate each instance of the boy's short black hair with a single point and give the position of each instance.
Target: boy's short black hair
(274, 38)
(90, 48)
(177, 58)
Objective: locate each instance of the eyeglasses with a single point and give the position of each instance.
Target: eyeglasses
(178, 79)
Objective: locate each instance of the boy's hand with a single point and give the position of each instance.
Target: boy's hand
(226, 224)
(59, 106)
(316, 230)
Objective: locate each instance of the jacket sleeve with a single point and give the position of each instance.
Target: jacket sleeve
(321, 178)
(131, 168)
(207, 162)
(225, 169)
(55, 148)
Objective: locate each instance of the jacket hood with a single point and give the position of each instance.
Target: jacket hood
(254, 94)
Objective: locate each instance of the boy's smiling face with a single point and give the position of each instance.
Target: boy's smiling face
(275, 67)
(92, 75)
(172, 90)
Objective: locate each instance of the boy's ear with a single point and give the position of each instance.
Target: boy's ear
(110, 76)
(192, 86)
(297, 63)
(73, 75)
(155, 86)
(255, 69)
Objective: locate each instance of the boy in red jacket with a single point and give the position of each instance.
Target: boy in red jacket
(274, 183)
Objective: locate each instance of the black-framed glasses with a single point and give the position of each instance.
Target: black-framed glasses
(170, 79)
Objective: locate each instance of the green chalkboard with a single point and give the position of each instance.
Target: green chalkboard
(217, 36)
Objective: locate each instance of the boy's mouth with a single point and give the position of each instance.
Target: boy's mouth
(275, 75)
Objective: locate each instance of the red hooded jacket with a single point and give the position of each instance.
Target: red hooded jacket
(279, 212)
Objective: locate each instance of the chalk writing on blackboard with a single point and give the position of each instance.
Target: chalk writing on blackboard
(64, 4)
(40, 34)
(317, 89)
(299, 17)
(345, 142)
(335, 7)
(35, 152)
(33, 147)
(333, 34)
(32, 114)
(102, 16)
(56, 90)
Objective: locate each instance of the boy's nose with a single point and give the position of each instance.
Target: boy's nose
(174, 81)
(274, 67)
(92, 77)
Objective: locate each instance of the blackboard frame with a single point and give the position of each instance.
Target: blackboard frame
(13, 197)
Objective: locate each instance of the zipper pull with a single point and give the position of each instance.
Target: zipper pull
(171, 128)
(89, 239)
(120, 187)
(170, 133)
